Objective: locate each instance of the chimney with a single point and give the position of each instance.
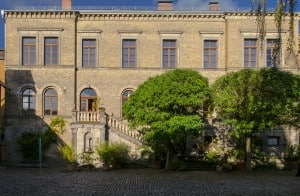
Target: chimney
(165, 5)
(2, 54)
(66, 4)
(213, 6)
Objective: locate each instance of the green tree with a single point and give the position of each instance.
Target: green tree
(167, 109)
(256, 100)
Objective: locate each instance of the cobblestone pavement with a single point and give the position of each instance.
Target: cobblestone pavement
(140, 182)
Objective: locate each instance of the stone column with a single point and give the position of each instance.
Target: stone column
(74, 139)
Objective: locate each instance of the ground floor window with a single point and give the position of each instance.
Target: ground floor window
(273, 141)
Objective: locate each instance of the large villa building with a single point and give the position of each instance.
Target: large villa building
(71, 62)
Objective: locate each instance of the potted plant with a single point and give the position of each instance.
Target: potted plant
(87, 159)
(68, 154)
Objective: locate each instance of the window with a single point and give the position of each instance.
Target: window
(273, 141)
(29, 51)
(88, 53)
(169, 53)
(125, 95)
(50, 102)
(88, 100)
(210, 54)
(250, 52)
(51, 51)
(28, 101)
(129, 53)
(272, 52)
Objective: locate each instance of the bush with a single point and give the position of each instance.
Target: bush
(67, 153)
(29, 143)
(116, 155)
(292, 153)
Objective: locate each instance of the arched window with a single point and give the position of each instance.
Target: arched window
(88, 100)
(125, 95)
(50, 102)
(28, 101)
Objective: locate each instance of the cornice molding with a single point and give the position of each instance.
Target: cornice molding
(41, 14)
(90, 31)
(211, 32)
(40, 29)
(130, 31)
(149, 16)
(256, 31)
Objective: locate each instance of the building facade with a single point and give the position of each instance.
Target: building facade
(73, 62)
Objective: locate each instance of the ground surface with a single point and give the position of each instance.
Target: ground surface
(139, 182)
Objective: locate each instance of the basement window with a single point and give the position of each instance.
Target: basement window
(273, 141)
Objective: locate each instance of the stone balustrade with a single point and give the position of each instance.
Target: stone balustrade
(87, 116)
(124, 128)
(101, 117)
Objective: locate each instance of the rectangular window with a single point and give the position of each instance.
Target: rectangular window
(29, 51)
(210, 54)
(128, 53)
(169, 53)
(250, 53)
(273, 141)
(272, 52)
(51, 51)
(88, 53)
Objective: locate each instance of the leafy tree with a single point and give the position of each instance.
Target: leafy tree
(255, 100)
(167, 109)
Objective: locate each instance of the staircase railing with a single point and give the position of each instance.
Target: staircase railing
(123, 127)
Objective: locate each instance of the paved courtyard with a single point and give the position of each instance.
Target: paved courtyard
(139, 182)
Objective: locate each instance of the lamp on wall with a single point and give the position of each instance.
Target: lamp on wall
(65, 89)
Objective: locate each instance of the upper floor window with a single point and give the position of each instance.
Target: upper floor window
(272, 52)
(88, 100)
(51, 51)
(169, 53)
(250, 53)
(88, 53)
(210, 54)
(28, 101)
(128, 53)
(50, 102)
(29, 51)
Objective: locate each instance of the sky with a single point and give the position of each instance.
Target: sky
(178, 4)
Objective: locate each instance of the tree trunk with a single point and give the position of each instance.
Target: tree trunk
(168, 161)
(248, 153)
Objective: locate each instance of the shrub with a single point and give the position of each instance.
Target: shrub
(116, 155)
(67, 153)
(292, 153)
(29, 143)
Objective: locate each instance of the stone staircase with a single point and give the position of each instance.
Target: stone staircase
(121, 128)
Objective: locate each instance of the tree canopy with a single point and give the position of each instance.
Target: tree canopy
(255, 100)
(167, 108)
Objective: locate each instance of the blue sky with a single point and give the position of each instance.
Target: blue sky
(179, 4)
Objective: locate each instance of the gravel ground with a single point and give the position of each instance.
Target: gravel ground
(139, 182)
